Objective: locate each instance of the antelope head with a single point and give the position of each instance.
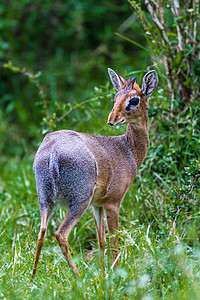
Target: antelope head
(131, 102)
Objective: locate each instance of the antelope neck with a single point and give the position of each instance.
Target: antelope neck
(137, 138)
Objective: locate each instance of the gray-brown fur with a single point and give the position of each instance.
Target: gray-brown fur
(76, 169)
(65, 169)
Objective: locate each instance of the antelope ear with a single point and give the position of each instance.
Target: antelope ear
(117, 80)
(149, 83)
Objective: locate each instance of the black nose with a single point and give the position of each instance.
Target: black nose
(110, 124)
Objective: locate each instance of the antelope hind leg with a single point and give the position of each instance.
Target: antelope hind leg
(112, 213)
(64, 230)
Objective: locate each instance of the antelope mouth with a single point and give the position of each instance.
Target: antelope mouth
(120, 122)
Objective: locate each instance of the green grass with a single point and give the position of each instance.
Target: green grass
(159, 256)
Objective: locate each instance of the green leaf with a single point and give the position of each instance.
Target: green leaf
(38, 74)
(131, 41)
(177, 59)
(188, 82)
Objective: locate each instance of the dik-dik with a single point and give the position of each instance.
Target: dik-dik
(75, 169)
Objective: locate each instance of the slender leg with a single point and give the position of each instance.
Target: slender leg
(41, 236)
(112, 213)
(98, 215)
(64, 230)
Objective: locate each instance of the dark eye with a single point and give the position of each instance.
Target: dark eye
(133, 103)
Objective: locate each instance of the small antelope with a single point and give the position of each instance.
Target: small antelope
(78, 169)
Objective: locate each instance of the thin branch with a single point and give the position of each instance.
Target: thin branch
(162, 15)
(34, 78)
(170, 82)
(73, 108)
(177, 8)
(143, 19)
(167, 58)
(137, 9)
(156, 4)
(177, 13)
(157, 22)
(196, 16)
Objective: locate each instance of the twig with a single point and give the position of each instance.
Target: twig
(34, 78)
(170, 82)
(157, 22)
(177, 13)
(75, 107)
(196, 16)
(40, 89)
(162, 16)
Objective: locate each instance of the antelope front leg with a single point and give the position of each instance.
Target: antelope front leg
(98, 215)
(112, 213)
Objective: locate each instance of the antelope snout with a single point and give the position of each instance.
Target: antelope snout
(111, 118)
(115, 119)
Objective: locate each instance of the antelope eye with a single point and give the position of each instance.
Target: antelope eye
(133, 102)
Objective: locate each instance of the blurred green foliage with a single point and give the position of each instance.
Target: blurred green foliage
(72, 43)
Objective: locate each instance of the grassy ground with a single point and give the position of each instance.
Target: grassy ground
(159, 256)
